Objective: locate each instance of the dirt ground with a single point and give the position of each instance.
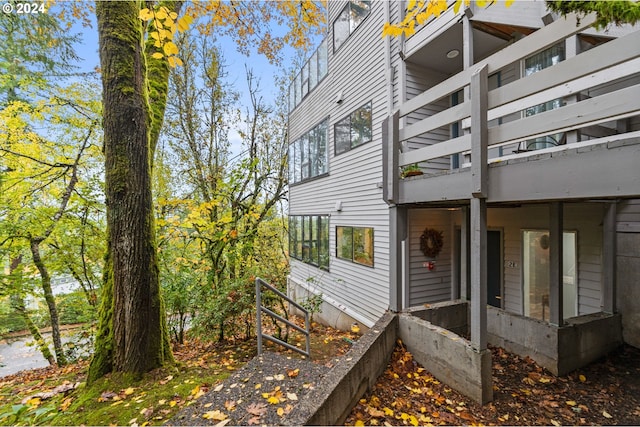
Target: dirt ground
(604, 393)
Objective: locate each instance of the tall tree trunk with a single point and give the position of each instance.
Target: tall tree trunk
(132, 335)
(50, 299)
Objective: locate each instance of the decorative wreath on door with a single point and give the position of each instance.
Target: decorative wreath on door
(431, 242)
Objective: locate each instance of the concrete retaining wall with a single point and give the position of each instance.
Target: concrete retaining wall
(449, 357)
(561, 350)
(332, 401)
(586, 339)
(451, 315)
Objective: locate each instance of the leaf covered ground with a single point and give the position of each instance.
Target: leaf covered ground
(60, 396)
(604, 393)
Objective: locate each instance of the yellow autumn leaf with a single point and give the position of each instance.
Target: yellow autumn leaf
(257, 386)
(34, 401)
(571, 402)
(184, 22)
(129, 391)
(606, 414)
(157, 55)
(174, 61)
(170, 48)
(280, 412)
(162, 13)
(388, 411)
(172, 403)
(582, 378)
(555, 423)
(273, 400)
(214, 415)
(145, 14)
(359, 423)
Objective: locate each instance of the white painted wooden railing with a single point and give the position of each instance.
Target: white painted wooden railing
(613, 60)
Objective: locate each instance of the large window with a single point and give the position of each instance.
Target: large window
(353, 130)
(533, 64)
(535, 269)
(349, 19)
(309, 76)
(308, 155)
(355, 244)
(309, 239)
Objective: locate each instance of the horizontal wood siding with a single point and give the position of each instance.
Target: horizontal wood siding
(426, 286)
(628, 217)
(585, 218)
(357, 70)
(419, 79)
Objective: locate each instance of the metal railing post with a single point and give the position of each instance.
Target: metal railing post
(260, 309)
(259, 315)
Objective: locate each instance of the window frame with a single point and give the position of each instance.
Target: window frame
(308, 236)
(352, 233)
(352, 27)
(350, 118)
(304, 166)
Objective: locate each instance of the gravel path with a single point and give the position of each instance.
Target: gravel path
(263, 392)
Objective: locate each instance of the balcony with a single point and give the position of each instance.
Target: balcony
(586, 147)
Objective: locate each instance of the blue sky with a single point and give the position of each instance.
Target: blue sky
(235, 62)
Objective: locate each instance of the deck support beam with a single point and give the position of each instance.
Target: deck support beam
(398, 236)
(609, 254)
(479, 185)
(556, 315)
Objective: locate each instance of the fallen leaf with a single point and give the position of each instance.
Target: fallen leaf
(129, 391)
(66, 403)
(223, 422)
(280, 412)
(230, 405)
(555, 423)
(292, 373)
(172, 403)
(571, 402)
(214, 415)
(147, 412)
(253, 421)
(218, 387)
(273, 400)
(606, 414)
(106, 395)
(257, 386)
(257, 409)
(292, 396)
(582, 378)
(279, 377)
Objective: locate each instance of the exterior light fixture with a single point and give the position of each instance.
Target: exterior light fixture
(453, 53)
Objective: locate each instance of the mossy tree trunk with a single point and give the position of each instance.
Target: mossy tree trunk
(45, 278)
(132, 334)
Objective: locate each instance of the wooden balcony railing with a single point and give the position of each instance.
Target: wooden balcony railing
(614, 60)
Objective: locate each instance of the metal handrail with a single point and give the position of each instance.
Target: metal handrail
(260, 309)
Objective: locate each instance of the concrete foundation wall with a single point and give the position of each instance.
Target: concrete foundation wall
(585, 339)
(561, 350)
(451, 315)
(449, 357)
(628, 285)
(340, 390)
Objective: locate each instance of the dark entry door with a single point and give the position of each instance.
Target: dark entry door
(494, 271)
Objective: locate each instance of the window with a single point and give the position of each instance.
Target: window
(533, 64)
(309, 239)
(353, 130)
(355, 244)
(349, 19)
(312, 73)
(308, 155)
(535, 269)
